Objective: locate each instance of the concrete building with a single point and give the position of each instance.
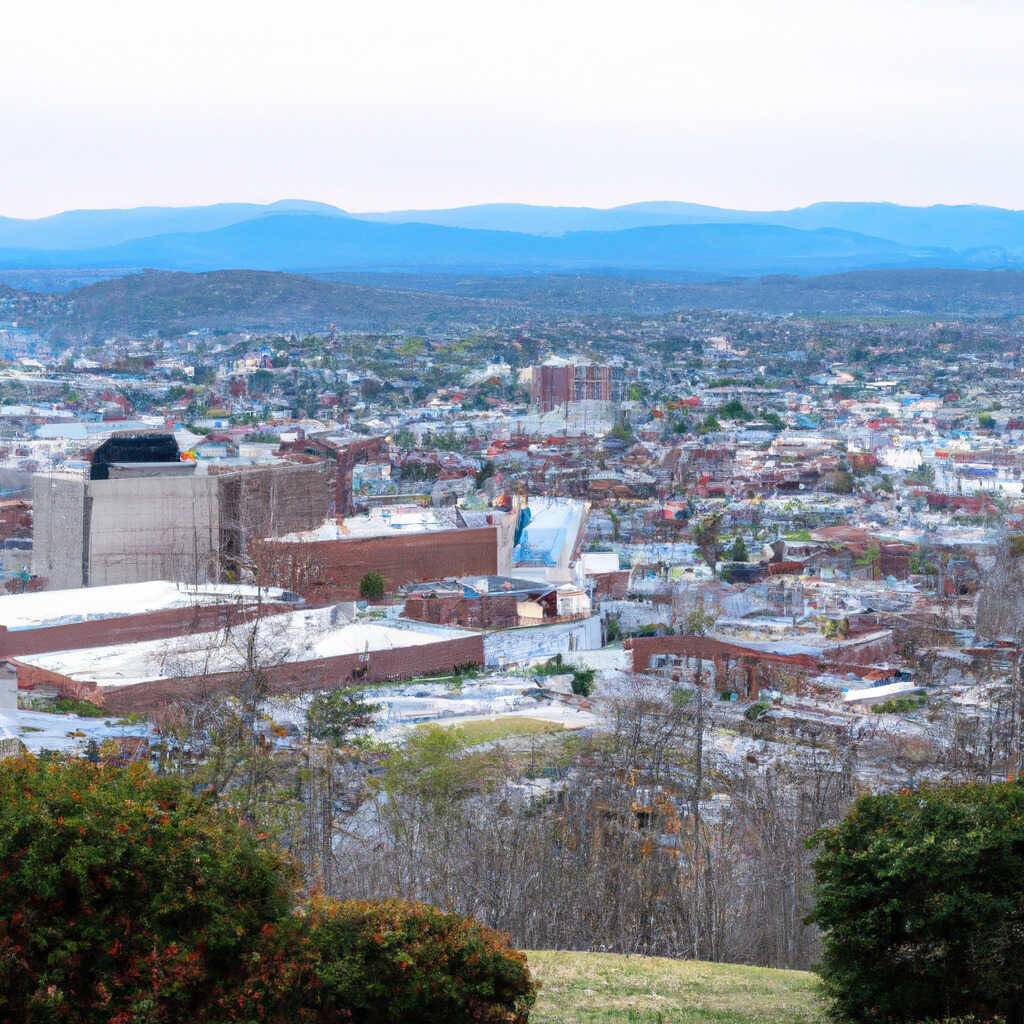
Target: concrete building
(165, 525)
(136, 512)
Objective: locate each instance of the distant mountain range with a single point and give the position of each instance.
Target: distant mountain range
(641, 239)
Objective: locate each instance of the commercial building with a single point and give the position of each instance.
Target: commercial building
(404, 544)
(137, 512)
(127, 613)
(299, 651)
(557, 382)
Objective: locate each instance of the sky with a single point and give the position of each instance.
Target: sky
(394, 104)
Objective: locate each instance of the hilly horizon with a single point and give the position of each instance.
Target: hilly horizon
(307, 242)
(173, 302)
(652, 237)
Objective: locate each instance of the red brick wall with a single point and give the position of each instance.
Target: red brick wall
(454, 609)
(326, 571)
(707, 648)
(296, 677)
(126, 629)
(868, 651)
(611, 586)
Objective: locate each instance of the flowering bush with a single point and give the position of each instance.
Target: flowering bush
(124, 899)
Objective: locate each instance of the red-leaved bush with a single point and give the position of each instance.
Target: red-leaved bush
(124, 899)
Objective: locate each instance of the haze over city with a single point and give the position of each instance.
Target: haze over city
(375, 107)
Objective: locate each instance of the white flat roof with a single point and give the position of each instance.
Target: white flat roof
(305, 635)
(381, 522)
(80, 604)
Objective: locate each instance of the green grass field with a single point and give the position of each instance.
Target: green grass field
(503, 727)
(602, 988)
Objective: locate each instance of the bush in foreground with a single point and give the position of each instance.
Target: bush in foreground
(124, 899)
(921, 898)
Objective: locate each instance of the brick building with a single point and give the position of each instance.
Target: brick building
(311, 649)
(127, 613)
(555, 383)
(403, 545)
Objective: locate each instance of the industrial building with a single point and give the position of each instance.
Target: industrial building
(403, 544)
(304, 650)
(138, 512)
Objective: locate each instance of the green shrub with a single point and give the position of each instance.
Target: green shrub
(406, 961)
(120, 894)
(124, 898)
(583, 682)
(921, 899)
(900, 705)
(755, 711)
(372, 586)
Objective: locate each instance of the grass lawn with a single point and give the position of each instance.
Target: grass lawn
(602, 988)
(484, 730)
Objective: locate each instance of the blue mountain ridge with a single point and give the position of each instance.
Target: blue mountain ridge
(314, 242)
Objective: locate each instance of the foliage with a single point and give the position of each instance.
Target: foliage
(754, 712)
(734, 409)
(429, 768)
(73, 706)
(400, 960)
(699, 621)
(484, 473)
(842, 482)
(623, 429)
(921, 898)
(583, 682)
(124, 897)
(709, 425)
(334, 715)
(986, 421)
(706, 537)
(924, 474)
(121, 895)
(372, 586)
(870, 556)
(900, 705)
(738, 552)
(551, 667)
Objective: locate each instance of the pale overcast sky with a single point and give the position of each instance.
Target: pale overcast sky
(385, 105)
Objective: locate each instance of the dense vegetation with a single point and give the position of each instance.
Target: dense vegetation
(125, 898)
(921, 897)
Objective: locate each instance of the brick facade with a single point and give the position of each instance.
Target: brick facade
(328, 571)
(294, 677)
(126, 629)
(492, 611)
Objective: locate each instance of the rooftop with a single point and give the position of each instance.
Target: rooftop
(61, 607)
(306, 635)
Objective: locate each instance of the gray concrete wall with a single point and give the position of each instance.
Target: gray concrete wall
(153, 528)
(58, 506)
(512, 646)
